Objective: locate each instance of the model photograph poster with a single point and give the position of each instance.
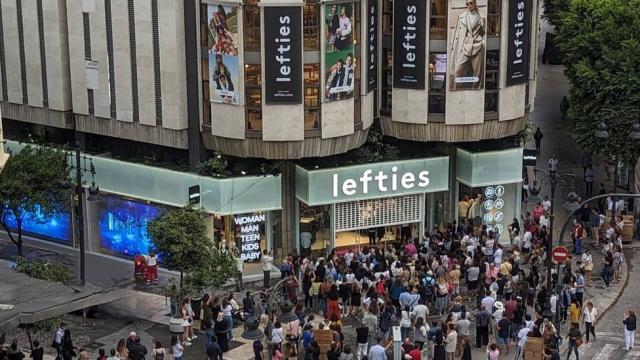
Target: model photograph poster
(223, 53)
(338, 51)
(468, 47)
(519, 46)
(283, 54)
(409, 34)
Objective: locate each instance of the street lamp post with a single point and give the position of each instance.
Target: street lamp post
(94, 190)
(554, 181)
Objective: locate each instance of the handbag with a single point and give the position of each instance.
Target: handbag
(589, 267)
(578, 341)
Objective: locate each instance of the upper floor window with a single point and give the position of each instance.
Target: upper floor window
(492, 71)
(387, 17)
(493, 18)
(251, 25)
(437, 82)
(438, 19)
(311, 25)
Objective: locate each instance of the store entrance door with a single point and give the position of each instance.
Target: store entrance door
(359, 223)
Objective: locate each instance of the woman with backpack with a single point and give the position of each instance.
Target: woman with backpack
(387, 316)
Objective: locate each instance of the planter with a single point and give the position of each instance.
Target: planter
(175, 325)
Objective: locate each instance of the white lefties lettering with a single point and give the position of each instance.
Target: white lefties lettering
(410, 35)
(518, 28)
(283, 49)
(424, 178)
(360, 185)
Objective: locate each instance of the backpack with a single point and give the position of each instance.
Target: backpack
(380, 287)
(385, 321)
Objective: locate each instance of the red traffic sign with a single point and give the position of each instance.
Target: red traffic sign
(560, 254)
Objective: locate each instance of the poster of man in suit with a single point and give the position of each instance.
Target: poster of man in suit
(338, 51)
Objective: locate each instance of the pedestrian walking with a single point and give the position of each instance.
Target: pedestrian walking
(590, 314)
(15, 353)
(158, 352)
(38, 351)
(57, 340)
(575, 340)
(537, 137)
(554, 165)
(629, 329)
(588, 180)
(176, 348)
(68, 349)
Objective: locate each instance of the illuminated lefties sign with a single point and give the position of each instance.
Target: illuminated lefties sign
(383, 181)
(250, 232)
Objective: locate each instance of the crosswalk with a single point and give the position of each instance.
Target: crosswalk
(608, 346)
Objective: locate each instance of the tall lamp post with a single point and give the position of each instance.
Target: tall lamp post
(554, 180)
(94, 191)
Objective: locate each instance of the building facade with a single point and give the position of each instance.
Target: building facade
(296, 84)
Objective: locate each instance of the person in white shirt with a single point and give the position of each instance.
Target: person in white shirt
(420, 311)
(546, 204)
(523, 335)
(553, 165)
(487, 303)
(451, 341)
(497, 256)
(267, 264)
(589, 320)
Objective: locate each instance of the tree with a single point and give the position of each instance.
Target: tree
(553, 10)
(30, 184)
(179, 238)
(600, 45)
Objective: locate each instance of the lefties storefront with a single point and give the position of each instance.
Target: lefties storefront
(352, 206)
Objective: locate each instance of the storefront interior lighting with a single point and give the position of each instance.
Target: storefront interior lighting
(243, 172)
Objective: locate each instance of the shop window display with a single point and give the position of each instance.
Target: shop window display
(56, 227)
(493, 206)
(437, 82)
(315, 228)
(122, 225)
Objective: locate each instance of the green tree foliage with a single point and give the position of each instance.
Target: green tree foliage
(43, 270)
(180, 240)
(553, 10)
(600, 45)
(30, 183)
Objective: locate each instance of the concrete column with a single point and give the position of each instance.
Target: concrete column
(288, 183)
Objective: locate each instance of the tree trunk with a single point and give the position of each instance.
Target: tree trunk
(19, 241)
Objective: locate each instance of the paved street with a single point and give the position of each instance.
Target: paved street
(609, 329)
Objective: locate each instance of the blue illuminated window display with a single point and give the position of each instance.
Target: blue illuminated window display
(56, 227)
(123, 225)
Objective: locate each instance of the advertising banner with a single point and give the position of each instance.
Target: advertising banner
(338, 50)
(250, 235)
(223, 53)
(283, 54)
(409, 43)
(372, 42)
(468, 47)
(518, 44)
